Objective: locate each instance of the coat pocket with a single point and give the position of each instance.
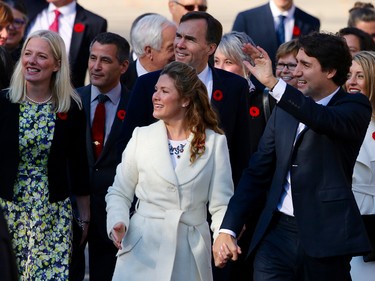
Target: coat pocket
(130, 240)
(335, 194)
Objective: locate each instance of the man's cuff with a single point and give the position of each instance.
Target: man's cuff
(227, 231)
(278, 90)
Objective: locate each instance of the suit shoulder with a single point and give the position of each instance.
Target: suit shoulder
(91, 15)
(307, 17)
(230, 77)
(84, 90)
(253, 11)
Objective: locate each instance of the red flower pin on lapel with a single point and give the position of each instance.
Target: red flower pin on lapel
(373, 135)
(79, 27)
(296, 31)
(217, 95)
(121, 114)
(62, 115)
(254, 111)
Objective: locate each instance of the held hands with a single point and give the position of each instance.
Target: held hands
(225, 248)
(261, 65)
(117, 234)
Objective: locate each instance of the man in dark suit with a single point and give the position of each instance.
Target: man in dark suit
(152, 40)
(109, 59)
(310, 226)
(261, 24)
(76, 25)
(196, 40)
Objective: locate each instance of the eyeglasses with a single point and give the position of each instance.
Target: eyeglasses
(190, 8)
(18, 23)
(289, 66)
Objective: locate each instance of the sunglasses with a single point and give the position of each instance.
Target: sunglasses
(190, 8)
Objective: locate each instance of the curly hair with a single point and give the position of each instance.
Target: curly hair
(199, 113)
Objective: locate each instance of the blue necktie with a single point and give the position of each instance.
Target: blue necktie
(280, 31)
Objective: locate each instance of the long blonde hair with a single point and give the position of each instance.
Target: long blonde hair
(60, 84)
(366, 59)
(199, 114)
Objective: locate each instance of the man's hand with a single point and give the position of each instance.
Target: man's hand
(225, 248)
(261, 66)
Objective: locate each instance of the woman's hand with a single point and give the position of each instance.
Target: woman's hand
(117, 234)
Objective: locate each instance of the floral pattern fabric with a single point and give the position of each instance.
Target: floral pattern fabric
(41, 231)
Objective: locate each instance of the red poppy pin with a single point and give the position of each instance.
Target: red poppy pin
(62, 115)
(254, 111)
(296, 31)
(79, 27)
(121, 114)
(373, 135)
(217, 95)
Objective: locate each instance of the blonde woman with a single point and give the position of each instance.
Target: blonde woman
(361, 79)
(42, 159)
(175, 167)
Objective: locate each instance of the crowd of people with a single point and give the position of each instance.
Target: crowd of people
(190, 154)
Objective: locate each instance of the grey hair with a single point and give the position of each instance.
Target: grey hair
(147, 32)
(231, 46)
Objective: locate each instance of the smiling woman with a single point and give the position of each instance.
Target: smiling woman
(42, 158)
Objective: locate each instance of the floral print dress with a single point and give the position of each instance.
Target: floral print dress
(41, 231)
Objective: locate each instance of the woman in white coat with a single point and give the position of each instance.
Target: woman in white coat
(175, 167)
(361, 79)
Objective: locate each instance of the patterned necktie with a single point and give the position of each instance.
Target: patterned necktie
(98, 126)
(55, 24)
(280, 31)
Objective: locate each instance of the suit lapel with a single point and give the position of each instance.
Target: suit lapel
(217, 88)
(78, 33)
(160, 158)
(117, 123)
(86, 101)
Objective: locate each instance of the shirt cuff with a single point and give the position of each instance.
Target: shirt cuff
(227, 231)
(279, 89)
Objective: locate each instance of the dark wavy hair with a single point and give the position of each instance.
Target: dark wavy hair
(331, 51)
(199, 113)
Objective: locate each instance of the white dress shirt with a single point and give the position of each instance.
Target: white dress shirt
(288, 22)
(66, 21)
(206, 77)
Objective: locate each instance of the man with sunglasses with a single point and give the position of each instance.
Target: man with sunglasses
(181, 7)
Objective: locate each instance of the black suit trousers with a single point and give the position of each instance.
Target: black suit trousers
(280, 257)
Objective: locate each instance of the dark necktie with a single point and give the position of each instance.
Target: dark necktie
(55, 24)
(98, 126)
(280, 31)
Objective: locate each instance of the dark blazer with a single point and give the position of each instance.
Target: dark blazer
(229, 99)
(102, 173)
(130, 76)
(67, 162)
(86, 26)
(8, 266)
(321, 165)
(258, 23)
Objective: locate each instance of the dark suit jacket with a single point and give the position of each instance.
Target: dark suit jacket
(8, 266)
(321, 165)
(231, 104)
(130, 76)
(86, 26)
(67, 162)
(102, 170)
(258, 23)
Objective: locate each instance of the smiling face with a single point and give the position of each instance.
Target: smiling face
(104, 68)
(225, 63)
(16, 30)
(286, 73)
(168, 105)
(356, 79)
(38, 62)
(312, 81)
(165, 55)
(191, 46)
